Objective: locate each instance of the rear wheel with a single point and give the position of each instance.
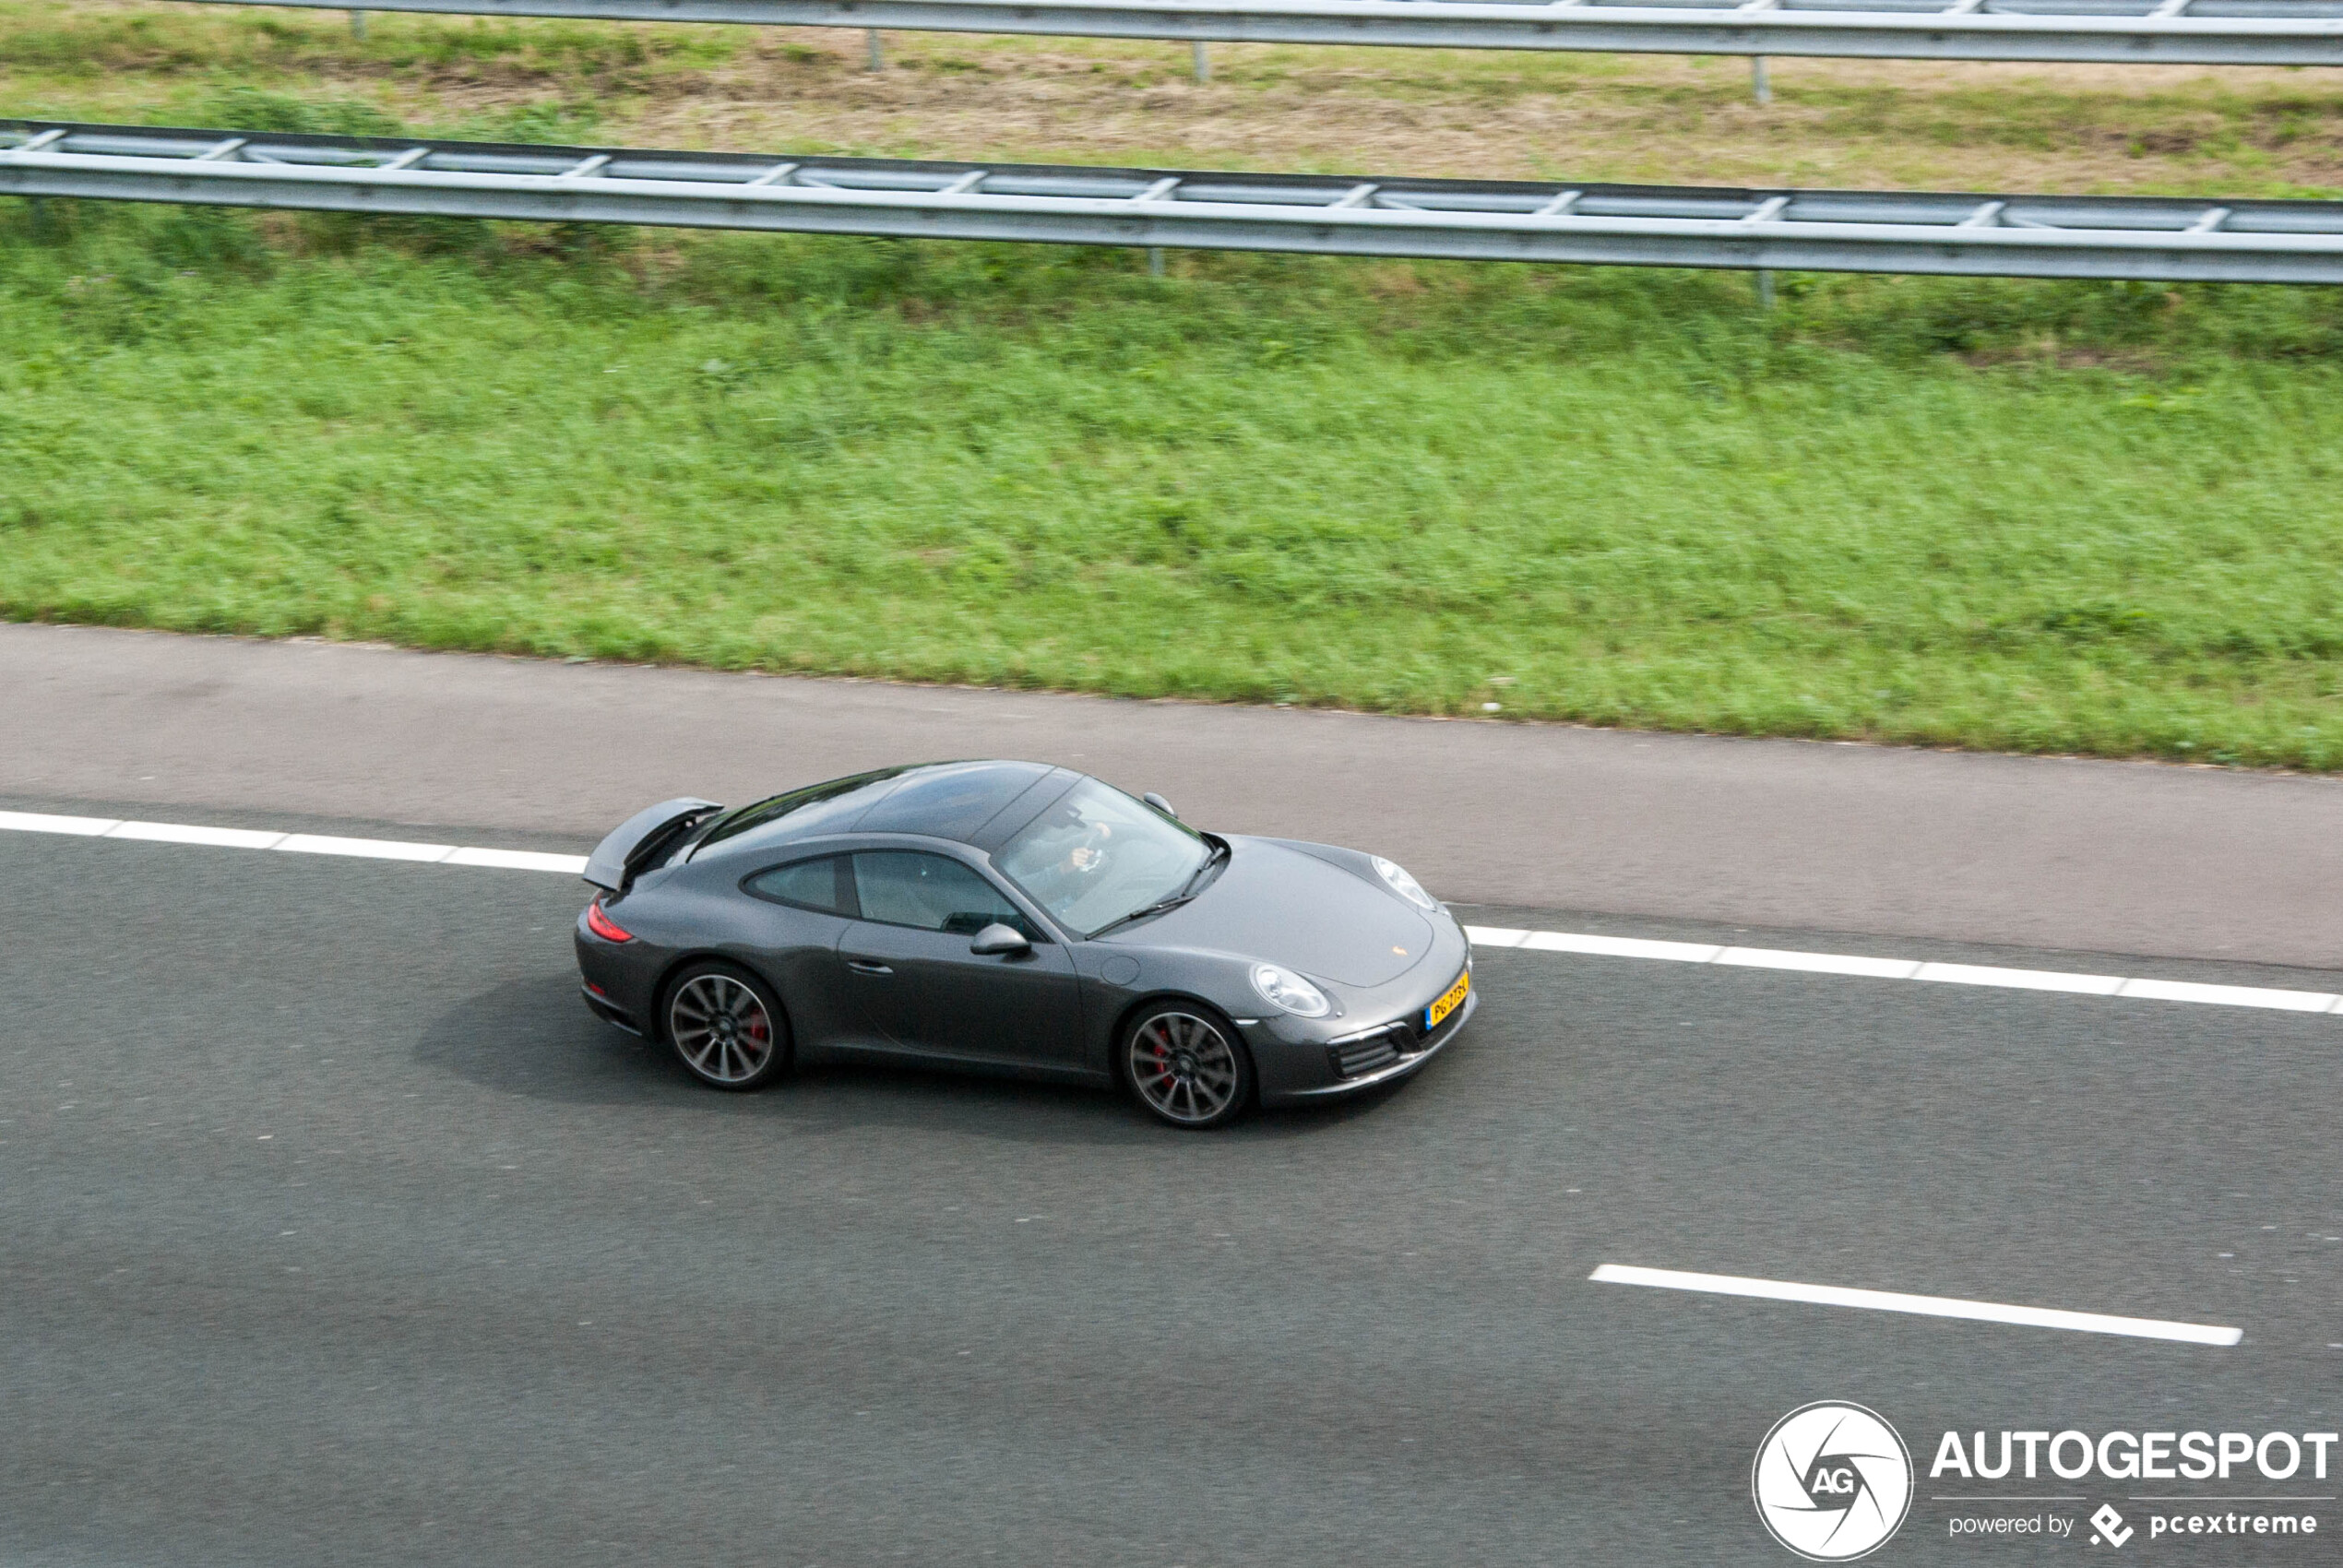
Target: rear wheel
(726, 1027)
(1185, 1066)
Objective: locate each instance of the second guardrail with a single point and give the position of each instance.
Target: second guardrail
(2198, 33)
(2010, 235)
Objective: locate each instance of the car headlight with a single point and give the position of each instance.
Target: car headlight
(1407, 887)
(1283, 988)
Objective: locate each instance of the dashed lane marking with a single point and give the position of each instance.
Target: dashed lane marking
(1925, 1306)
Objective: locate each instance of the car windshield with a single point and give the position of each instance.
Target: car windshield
(1098, 855)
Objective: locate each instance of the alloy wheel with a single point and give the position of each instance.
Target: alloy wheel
(721, 1029)
(1185, 1068)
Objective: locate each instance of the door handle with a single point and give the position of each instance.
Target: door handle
(865, 967)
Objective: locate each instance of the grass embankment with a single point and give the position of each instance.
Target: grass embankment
(1893, 510)
(2078, 517)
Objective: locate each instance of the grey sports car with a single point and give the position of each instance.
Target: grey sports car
(1016, 916)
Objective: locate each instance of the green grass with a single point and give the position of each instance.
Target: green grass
(2033, 517)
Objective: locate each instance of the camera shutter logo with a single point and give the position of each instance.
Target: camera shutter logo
(1832, 1481)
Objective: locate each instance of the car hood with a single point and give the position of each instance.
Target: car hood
(1283, 906)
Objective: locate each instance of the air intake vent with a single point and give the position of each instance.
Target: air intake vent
(1352, 1058)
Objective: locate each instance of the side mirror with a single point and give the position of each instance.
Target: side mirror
(1159, 804)
(998, 940)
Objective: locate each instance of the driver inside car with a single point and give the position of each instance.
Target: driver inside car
(1077, 851)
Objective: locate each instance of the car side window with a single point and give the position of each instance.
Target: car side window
(931, 892)
(826, 885)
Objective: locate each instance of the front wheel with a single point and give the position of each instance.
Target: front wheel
(726, 1027)
(1185, 1066)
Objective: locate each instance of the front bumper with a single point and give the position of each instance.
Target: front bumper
(1411, 1061)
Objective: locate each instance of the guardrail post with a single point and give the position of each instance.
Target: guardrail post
(878, 54)
(1759, 88)
(1203, 61)
(1155, 261)
(1764, 289)
(358, 26)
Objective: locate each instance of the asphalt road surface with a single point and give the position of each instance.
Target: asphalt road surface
(336, 1231)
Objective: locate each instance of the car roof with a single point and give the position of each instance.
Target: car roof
(969, 803)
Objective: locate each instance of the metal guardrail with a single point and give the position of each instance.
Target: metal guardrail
(2200, 32)
(2015, 236)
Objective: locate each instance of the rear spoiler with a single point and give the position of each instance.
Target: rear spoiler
(641, 836)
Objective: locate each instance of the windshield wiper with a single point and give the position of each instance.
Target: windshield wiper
(1141, 913)
(1188, 890)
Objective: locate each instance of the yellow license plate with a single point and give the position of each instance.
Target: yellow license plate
(1450, 1000)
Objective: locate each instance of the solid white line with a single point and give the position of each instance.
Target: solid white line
(1927, 1306)
(366, 849)
(2229, 996)
(1620, 946)
(1820, 963)
(1853, 964)
(185, 833)
(294, 843)
(517, 860)
(1909, 968)
(38, 822)
(2021, 980)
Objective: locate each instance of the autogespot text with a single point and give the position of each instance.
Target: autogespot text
(2148, 1455)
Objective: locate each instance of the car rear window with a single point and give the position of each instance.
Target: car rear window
(826, 885)
(817, 808)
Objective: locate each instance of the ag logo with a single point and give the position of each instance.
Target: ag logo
(1832, 1481)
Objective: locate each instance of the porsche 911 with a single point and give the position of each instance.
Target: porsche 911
(1014, 917)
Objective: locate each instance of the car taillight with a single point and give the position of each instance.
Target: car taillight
(602, 925)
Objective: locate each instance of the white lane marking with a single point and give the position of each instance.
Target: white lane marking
(295, 843)
(1820, 963)
(1481, 936)
(366, 849)
(517, 860)
(40, 821)
(2021, 980)
(1620, 946)
(2229, 996)
(1909, 968)
(1927, 1306)
(185, 833)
